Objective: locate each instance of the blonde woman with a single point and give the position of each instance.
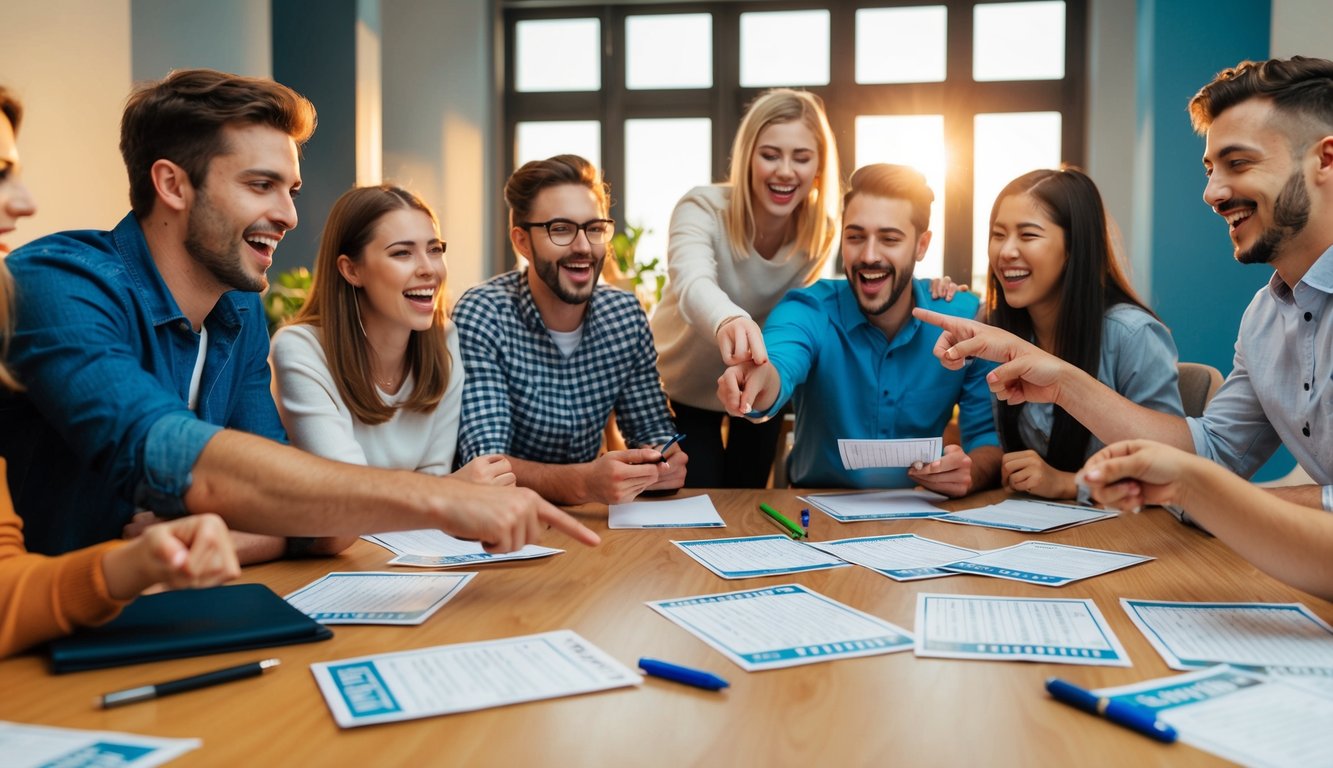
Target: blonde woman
(368, 372)
(734, 250)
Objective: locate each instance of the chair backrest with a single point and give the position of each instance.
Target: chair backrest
(1198, 383)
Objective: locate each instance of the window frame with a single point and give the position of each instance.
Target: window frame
(958, 97)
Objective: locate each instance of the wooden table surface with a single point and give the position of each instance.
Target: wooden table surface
(876, 710)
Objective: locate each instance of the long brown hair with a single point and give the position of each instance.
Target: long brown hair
(332, 307)
(12, 110)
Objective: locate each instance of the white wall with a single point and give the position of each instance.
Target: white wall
(1111, 117)
(233, 36)
(1302, 27)
(69, 61)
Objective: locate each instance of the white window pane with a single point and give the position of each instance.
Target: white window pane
(558, 55)
(664, 159)
(901, 45)
(784, 48)
(1006, 147)
(1019, 41)
(540, 140)
(674, 51)
(918, 141)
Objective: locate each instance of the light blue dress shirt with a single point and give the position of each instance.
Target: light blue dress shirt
(849, 381)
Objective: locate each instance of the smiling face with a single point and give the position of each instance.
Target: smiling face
(1027, 253)
(880, 248)
(400, 273)
(245, 206)
(782, 169)
(568, 273)
(15, 200)
(1254, 182)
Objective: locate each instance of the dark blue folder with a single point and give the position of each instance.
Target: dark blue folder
(187, 622)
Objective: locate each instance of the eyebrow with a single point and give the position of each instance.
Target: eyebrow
(396, 243)
(1231, 149)
(881, 230)
(265, 173)
(776, 148)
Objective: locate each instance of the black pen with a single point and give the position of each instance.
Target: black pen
(216, 677)
(674, 439)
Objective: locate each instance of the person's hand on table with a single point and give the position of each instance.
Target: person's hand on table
(950, 474)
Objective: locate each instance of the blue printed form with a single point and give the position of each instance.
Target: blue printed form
(901, 557)
(430, 548)
(752, 556)
(1244, 717)
(1050, 565)
(897, 504)
(1028, 516)
(25, 746)
(783, 626)
(377, 597)
(1277, 638)
(1016, 629)
(464, 677)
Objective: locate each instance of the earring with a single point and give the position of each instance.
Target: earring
(357, 304)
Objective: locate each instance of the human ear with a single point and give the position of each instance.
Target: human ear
(922, 244)
(518, 237)
(348, 269)
(172, 184)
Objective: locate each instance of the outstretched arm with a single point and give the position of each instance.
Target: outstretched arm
(1028, 374)
(1288, 541)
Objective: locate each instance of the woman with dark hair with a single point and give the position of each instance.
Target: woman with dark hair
(1055, 280)
(44, 597)
(368, 371)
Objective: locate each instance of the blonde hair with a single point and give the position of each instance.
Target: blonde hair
(332, 307)
(817, 215)
(11, 110)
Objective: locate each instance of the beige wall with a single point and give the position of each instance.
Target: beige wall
(69, 60)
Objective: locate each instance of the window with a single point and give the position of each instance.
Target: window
(970, 93)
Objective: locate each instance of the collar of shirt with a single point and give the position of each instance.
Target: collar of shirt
(531, 316)
(851, 316)
(1319, 277)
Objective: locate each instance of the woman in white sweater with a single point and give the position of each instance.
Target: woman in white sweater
(733, 250)
(368, 371)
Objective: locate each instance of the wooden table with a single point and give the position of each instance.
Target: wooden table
(869, 711)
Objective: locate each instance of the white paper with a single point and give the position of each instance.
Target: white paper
(752, 556)
(1050, 565)
(25, 746)
(876, 505)
(874, 454)
(430, 548)
(782, 626)
(1027, 516)
(446, 679)
(1052, 630)
(1274, 637)
(1241, 716)
(377, 597)
(901, 557)
(690, 512)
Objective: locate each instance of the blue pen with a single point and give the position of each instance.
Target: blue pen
(676, 673)
(805, 518)
(1133, 716)
(676, 438)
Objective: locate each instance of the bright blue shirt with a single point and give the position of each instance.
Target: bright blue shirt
(106, 356)
(851, 382)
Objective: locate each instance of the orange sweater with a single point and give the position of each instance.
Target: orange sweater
(44, 597)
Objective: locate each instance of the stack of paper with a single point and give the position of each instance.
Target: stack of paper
(691, 512)
(1028, 516)
(876, 505)
(373, 597)
(1050, 565)
(436, 549)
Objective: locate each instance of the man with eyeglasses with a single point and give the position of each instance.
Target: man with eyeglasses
(550, 354)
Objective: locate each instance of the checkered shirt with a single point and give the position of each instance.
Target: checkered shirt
(524, 399)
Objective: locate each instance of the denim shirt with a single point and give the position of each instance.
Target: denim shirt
(105, 356)
(849, 381)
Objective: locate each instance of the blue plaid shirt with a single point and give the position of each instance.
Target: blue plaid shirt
(524, 399)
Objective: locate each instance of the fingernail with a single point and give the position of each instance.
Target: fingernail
(917, 465)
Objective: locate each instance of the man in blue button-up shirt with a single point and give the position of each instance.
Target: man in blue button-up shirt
(860, 366)
(144, 350)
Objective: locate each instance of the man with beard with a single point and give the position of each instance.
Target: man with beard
(144, 353)
(856, 360)
(1269, 161)
(550, 354)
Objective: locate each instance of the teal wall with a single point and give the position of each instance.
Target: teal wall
(1196, 285)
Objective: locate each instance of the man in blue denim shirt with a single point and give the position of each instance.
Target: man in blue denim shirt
(857, 362)
(144, 352)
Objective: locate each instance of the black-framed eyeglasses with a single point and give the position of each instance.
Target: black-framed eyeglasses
(564, 231)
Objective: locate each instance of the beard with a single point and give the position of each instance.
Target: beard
(1291, 212)
(206, 240)
(549, 272)
(900, 281)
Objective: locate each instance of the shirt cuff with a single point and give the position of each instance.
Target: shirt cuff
(1328, 498)
(170, 451)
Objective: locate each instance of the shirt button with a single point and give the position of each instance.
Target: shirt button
(1308, 317)
(1307, 386)
(1306, 430)
(183, 326)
